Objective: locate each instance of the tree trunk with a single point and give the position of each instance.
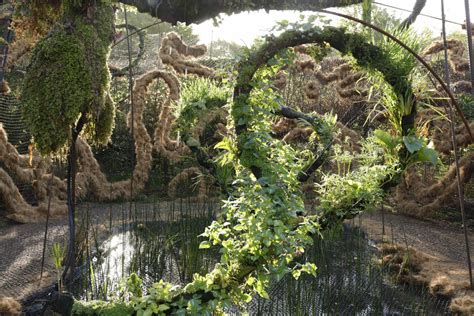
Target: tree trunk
(71, 198)
(197, 11)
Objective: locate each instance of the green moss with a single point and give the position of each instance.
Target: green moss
(105, 123)
(68, 75)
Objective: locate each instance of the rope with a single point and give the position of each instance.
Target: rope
(414, 54)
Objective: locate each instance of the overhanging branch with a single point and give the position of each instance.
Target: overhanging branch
(197, 11)
(318, 162)
(419, 5)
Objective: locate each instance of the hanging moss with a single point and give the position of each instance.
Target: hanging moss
(68, 75)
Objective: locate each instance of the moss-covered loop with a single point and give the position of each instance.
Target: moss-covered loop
(366, 54)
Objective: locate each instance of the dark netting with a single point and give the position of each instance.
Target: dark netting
(157, 240)
(18, 136)
(349, 282)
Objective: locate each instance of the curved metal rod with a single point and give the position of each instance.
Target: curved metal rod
(137, 31)
(418, 57)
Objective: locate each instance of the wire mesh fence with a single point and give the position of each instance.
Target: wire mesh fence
(18, 136)
(348, 282)
(21, 246)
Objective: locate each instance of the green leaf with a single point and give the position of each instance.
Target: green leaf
(386, 139)
(148, 312)
(428, 155)
(296, 273)
(205, 245)
(246, 298)
(224, 144)
(163, 307)
(242, 121)
(193, 142)
(412, 143)
(309, 268)
(283, 23)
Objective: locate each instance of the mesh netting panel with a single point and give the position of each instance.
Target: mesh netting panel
(18, 136)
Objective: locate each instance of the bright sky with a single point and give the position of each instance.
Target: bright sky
(245, 27)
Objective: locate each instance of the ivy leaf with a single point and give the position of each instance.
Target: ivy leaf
(296, 273)
(412, 143)
(205, 245)
(193, 142)
(163, 307)
(242, 121)
(309, 268)
(246, 298)
(148, 312)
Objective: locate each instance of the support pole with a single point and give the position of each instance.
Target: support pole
(469, 43)
(46, 226)
(449, 110)
(132, 112)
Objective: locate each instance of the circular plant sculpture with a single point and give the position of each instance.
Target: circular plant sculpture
(263, 230)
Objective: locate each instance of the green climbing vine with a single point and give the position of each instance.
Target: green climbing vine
(263, 228)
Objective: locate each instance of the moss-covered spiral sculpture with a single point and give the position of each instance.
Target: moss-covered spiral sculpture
(261, 231)
(367, 55)
(68, 76)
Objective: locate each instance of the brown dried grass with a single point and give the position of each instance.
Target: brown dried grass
(415, 198)
(9, 306)
(442, 278)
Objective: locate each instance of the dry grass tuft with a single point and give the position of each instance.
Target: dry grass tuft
(442, 278)
(9, 306)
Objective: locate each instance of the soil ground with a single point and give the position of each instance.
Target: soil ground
(440, 239)
(21, 245)
(439, 253)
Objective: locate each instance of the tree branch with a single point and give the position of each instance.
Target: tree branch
(318, 162)
(419, 5)
(197, 11)
(290, 113)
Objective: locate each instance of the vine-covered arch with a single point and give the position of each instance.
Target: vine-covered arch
(367, 55)
(263, 230)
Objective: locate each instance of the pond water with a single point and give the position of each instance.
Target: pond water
(349, 281)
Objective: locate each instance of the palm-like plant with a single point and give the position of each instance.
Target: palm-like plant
(58, 256)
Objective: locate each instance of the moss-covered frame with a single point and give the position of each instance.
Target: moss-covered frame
(367, 55)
